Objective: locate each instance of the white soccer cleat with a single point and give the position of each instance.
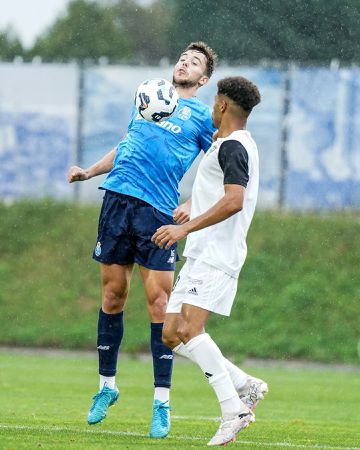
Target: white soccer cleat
(253, 391)
(230, 426)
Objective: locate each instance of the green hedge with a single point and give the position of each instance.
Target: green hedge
(298, 294)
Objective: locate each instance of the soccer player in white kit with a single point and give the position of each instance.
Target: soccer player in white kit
(222, 206)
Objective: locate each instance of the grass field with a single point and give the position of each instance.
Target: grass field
(44, 401)
(298, 295)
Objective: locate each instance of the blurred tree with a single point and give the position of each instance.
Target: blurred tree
(10, 45)
(250, 30)
(87, 31)
(147, 27)
(240, 31)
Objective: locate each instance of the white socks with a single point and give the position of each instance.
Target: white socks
(182, 351)
(162, 394)
(238, 376)
(109, 381)
(203, 350)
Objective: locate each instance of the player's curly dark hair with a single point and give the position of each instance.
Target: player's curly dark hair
(242, 91)
(211, 56)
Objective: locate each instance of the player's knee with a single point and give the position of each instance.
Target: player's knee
(157, 307)
(184, 333)
(170, 338)
(113, 302)
(187, 331)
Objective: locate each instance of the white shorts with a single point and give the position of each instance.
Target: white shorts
(205, 286)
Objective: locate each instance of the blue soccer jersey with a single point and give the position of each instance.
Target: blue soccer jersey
(151, 161)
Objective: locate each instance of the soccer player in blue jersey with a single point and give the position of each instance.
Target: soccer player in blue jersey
(141, 195)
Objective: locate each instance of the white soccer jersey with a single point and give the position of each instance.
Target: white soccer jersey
(223, 245)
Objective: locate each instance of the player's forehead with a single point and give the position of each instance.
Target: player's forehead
(196, 54)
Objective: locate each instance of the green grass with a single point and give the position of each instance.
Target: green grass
(298, 295)
(44, 400)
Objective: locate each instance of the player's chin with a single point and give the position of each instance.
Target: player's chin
(181, 78)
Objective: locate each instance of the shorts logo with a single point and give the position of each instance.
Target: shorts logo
(98, 249)
(171, 260)
(193, 291)
(195, 281)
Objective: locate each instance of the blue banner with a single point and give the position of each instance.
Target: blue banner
(324, 146)
(38, 123)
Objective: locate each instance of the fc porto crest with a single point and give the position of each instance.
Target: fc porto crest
(184, 113)
(98, 249)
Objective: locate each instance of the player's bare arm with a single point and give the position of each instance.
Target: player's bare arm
(181, 214)
(227, 206)
(104, 165)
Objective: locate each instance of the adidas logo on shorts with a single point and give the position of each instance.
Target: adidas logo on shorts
(193, 291)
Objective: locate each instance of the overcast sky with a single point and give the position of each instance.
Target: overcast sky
(30, 17)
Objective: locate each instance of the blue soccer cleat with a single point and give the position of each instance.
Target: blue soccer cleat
(160, 424)
(102, 400)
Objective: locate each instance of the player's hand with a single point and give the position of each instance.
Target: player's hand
(76, 173)
(167, 235)
(181, 214)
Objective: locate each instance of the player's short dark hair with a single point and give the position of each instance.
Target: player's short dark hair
(242, 91)
(211, 56)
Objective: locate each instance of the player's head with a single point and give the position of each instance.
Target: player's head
(195, 65)
(236, 96)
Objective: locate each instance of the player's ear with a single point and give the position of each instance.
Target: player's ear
(203, 80)
(223, 106)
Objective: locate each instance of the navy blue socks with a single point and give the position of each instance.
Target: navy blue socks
(110, 333)
(162, 357)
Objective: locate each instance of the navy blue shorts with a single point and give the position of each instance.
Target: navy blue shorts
(126, 225)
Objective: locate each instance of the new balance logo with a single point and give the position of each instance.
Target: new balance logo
(208, 375)
(193, 291)
(171, 260)
(166, 357)
(103, 347)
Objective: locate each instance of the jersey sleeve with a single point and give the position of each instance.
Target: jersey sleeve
(233, 160)
(133, 116)
(206, 132)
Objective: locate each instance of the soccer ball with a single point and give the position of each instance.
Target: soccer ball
(156, 100)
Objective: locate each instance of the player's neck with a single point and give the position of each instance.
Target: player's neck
(187, 92)
(228, 127)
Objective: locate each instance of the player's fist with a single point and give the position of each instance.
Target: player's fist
(182, 213)
(76, 173)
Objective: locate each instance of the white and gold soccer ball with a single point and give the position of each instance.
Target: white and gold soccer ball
(156, 100)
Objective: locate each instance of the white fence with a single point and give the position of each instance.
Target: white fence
(307, 128)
